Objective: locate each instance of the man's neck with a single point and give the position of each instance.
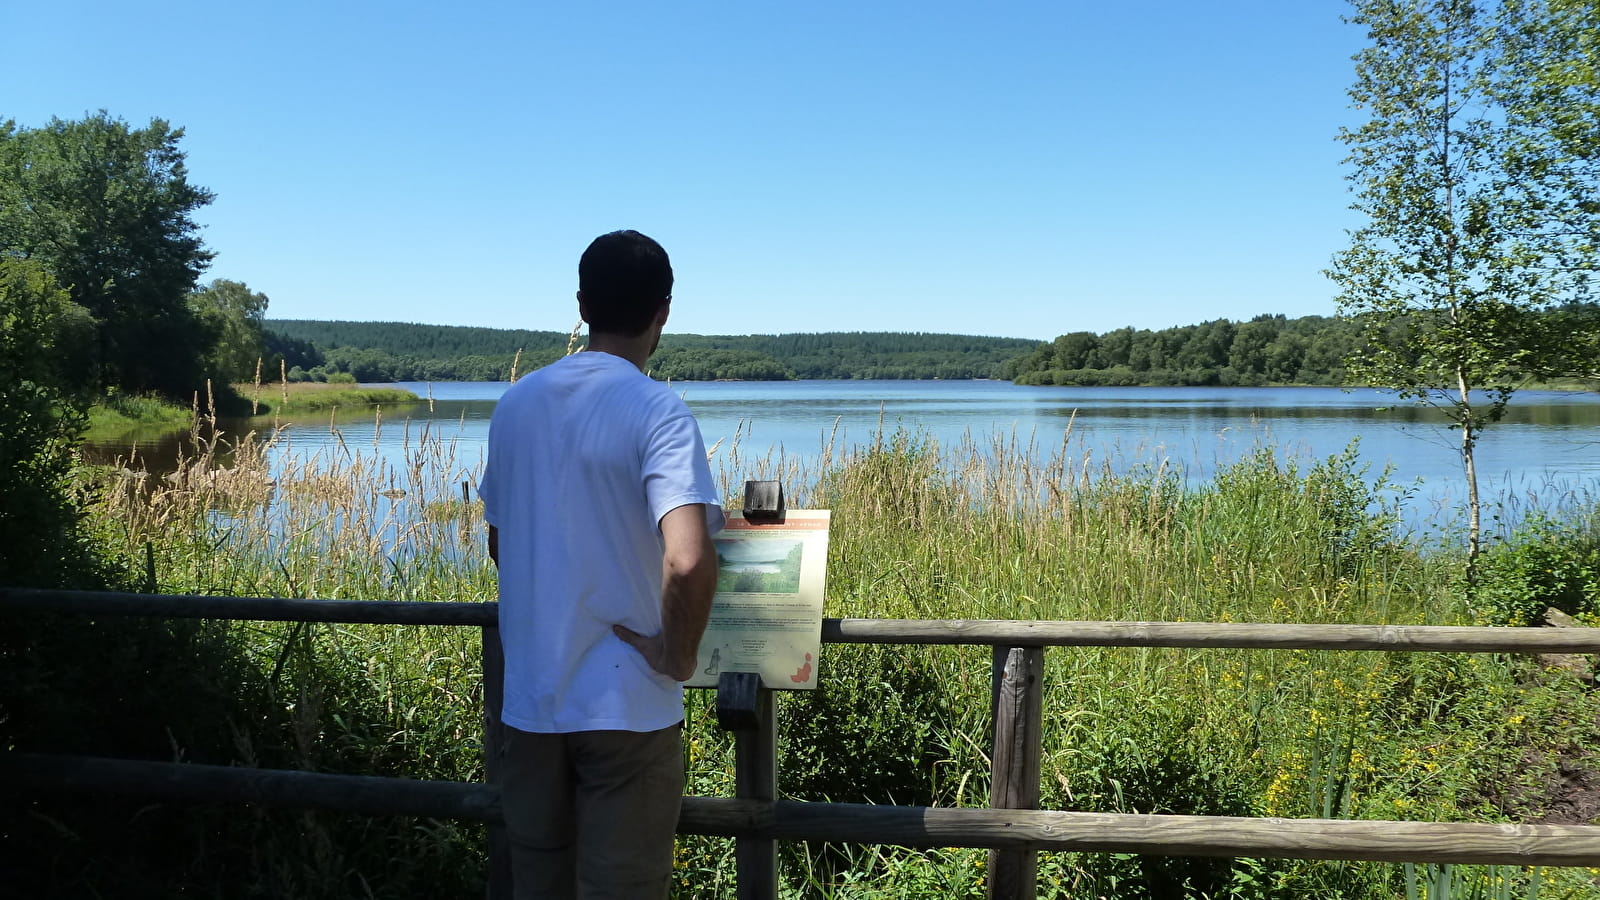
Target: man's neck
(635, 349)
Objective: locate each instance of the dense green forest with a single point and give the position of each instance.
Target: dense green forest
(1268, 349)
(839, 355)
(398, 351)
(392, 351)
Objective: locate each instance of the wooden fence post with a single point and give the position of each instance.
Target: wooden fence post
(745, 708)
(494, 672)
(1014, 783)
(756, 776)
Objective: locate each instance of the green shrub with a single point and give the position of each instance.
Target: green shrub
(886, 709)
(42, 539)
(1132, 763)
(882, 707)
(1544, 563)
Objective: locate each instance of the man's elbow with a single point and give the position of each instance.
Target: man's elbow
(689, 557)
(695, 571)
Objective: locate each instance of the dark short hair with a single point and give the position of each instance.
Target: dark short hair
(625, 279)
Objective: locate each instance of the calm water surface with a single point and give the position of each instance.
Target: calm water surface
(1548, 447)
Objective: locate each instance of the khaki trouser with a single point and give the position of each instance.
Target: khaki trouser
(591, 814)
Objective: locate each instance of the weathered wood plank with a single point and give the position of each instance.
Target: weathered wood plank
(756, 778)
(193, 783)
(1262, 636)
(912, 826)
(260, 609)
(1014, 781)
(1524, 845)
(494, 680)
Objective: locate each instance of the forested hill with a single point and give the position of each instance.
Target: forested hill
(1269, 349)
(838, 354)
(394, 351)
(420, 341)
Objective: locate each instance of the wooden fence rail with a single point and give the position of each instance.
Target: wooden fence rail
(991, 632)
(911, 826)
(1013, 829)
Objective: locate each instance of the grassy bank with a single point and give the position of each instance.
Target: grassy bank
(920, 531)
(306, 396)
(123, 414)
(120, 415)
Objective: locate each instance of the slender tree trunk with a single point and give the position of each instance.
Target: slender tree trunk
(1469, 442)
(1469, 439)
(1469, 430)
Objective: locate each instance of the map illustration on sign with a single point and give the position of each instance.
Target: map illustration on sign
(767, 615)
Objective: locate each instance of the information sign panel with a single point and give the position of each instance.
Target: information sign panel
(767, 616)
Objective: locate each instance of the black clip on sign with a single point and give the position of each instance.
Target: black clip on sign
(763, 503)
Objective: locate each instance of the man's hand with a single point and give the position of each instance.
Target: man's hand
(688, 581)
(653, 647)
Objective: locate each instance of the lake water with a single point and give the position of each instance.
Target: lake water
(1547, 448)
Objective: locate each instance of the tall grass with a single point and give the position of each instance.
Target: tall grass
(993, 530)
(343, 523)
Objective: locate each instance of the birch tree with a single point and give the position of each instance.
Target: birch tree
(1477, 221)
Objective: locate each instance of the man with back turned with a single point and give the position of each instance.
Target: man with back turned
(601, 507)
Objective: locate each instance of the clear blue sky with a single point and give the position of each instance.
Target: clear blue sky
(1019, 169)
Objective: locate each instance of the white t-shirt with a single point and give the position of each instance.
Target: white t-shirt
(585, 457)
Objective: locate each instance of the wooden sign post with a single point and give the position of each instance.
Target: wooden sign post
(744, 707)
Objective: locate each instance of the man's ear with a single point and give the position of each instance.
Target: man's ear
(662, 313)
(583, 309)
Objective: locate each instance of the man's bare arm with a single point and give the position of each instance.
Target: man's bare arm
(688, 582)
(494, 546)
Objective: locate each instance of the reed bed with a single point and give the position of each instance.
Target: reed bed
(993, 529)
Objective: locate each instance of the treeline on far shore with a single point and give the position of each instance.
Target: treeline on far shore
(1269, 349)
(394, 351)
(1266, 350)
